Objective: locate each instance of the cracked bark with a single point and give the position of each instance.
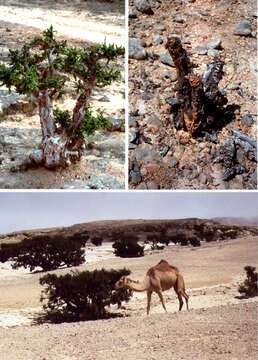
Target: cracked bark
(200, 104)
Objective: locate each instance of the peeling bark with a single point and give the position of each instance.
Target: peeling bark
(199, 105)
(58, 149)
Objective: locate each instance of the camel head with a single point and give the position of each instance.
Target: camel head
(122, 283)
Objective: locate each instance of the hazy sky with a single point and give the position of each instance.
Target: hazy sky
(28, 210)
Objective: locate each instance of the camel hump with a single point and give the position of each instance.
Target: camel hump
(163, 265)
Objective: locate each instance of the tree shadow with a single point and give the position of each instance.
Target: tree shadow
(58, 317)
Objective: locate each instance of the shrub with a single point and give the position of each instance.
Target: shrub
(82, 295)
(44, 251)
(249, 286)
(128, 246)
(96, 240)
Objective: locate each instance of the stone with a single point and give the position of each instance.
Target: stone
(179, 20)
(200, 50)
(213, 53)
(117, 124)
(143, 6)
(136, 49)
(135, 177)
(166, 59)
(131, 13)
(151, 185)
(76, 184)
(214, 44)
(244, 28)
(159, 27)
(106, 182)
(154, 124)
(247, 120)
(173, 162)
(158, 40)
(132, 134)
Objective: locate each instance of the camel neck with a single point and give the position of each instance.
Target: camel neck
(138, 286)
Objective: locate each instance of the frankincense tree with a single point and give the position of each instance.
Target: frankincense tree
(41, 69)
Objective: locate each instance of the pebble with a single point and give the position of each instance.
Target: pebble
(213, 53)
(151, 185)
(159, 27)
(158, 40)
(200, 50)
(166, 59)
(214, 44)
(136, 49)
(247, 120)
(143, 6)
(244, 28)
(173, 162)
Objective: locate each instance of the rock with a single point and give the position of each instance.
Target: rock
(200, 50)
(158, 40)
(244, 28)
(247, 120)
(151, 185)
(166, 59)
(21, 163)
(104, 182)
(213, 53)
(136, 50)
(154, 124)
(115, 147)
(233, 86)
(135, 177)
(76, 184)
(145, 154)
(203, 179)
(214, 44)
(143, 6)
(173, 162)
(179, 20)
(131, 13)
(132, 135)
(117, 124)
(159, 27)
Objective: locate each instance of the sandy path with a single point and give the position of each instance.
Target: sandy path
(78, 24)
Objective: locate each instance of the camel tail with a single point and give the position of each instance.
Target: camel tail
(181, 291)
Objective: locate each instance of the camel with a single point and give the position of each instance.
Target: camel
(159, 278)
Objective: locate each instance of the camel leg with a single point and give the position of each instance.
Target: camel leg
(148, 301)
(181, 303)
(186, 299)
(162, 299)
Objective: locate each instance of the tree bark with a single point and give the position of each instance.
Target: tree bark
(58, 149)
(199, 105)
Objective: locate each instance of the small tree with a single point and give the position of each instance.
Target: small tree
(44, 251)
(128, 246)
(249, 286)
(41, 69)
(97, 240)
(82, 295)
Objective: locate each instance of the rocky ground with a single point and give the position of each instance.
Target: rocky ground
(161, 157)
(80, 23)
(219, 325)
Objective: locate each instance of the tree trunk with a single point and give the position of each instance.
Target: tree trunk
(199, 105)
(57, 149)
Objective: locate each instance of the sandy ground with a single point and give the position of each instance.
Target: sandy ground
(218, 326)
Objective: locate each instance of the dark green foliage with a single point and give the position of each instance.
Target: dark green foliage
(82, 295)
(97, 240)
(128, 246)
(44, 251)
(194, 241)
(249, 287)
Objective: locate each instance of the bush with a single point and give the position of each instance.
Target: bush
(96, 240)
(128, 247)
(82, 295)
(45, 251)
(249, 286)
